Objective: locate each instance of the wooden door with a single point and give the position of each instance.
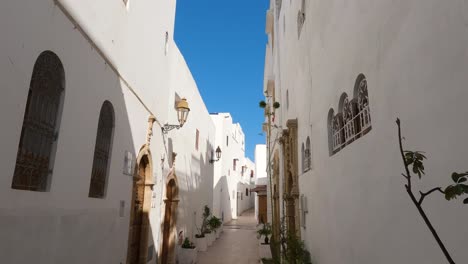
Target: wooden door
(262, 209)
(136, 216)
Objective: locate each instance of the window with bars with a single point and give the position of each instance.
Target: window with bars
(102, 151)
(353, 119)
(39, 133)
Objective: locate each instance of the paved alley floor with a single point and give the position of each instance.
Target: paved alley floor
(237, 244)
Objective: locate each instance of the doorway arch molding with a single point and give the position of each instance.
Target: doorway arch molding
(169, 218)
(139, 224)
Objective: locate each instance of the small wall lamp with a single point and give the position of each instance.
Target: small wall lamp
(218, 155)
(182, 114)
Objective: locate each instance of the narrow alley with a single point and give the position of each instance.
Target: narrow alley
(237, 244)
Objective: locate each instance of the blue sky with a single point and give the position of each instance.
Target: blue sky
(224, 43)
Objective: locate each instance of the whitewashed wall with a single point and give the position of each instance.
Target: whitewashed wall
(229, 185)
(261, 175)
(413, 54)
(64, 225)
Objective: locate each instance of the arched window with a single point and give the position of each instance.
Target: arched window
(307, 155)
(363, 112)
(39, 134)
(353, 119)
(102, 151)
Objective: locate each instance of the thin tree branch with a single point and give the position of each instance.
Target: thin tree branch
(423, 195)
(418, 203)
(408, 174)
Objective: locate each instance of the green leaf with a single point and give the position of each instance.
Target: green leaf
(455, 177)
(465, 201)
(464, 187)
(449, 193)
(461, 179)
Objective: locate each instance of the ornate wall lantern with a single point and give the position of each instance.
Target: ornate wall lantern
(182, 114)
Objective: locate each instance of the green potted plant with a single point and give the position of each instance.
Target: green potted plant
(264, 231)
(187, 253)
(201, 240)
(214, 224)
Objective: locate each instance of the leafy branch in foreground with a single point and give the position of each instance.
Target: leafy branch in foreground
(413, 161)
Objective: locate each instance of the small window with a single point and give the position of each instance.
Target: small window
(166, 43)
(234, 163)
(251, 173)
(303, 157)
(197, 136)
(227, 140)
(301, 18)
(307, 156)
(246, 192)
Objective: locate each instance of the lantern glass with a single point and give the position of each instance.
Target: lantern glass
(218, 153)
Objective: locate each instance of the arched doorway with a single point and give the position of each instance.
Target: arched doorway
(170, 220)
(141, 204)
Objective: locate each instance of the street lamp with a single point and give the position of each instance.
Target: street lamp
(218, 155)
(182, 114)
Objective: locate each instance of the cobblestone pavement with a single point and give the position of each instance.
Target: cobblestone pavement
(237, 244)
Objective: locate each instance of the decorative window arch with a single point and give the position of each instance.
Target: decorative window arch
(362, 105)
(41, 123)
(102, 151)
(353, 119)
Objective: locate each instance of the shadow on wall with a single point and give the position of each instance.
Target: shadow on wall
(194, 179)
(221, 193)
(90, 230)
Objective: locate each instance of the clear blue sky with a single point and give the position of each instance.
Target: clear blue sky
(224, 43)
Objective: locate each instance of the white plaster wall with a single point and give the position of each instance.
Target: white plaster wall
(194, 172)
(64, 225)
(413, 54)
(229, 184)
(260, 173)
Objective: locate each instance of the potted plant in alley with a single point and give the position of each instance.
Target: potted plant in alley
(201, 241)
(215, 223)
(187, 253)
(264, 231)
(210, 237)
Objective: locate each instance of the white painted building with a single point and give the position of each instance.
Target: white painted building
(80, 64)
(343, 72)
(232, 173)
(261, 178)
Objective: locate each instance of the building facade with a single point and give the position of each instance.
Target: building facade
(343, 73)
(233, 173)
(89, 174)
(262, 204)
